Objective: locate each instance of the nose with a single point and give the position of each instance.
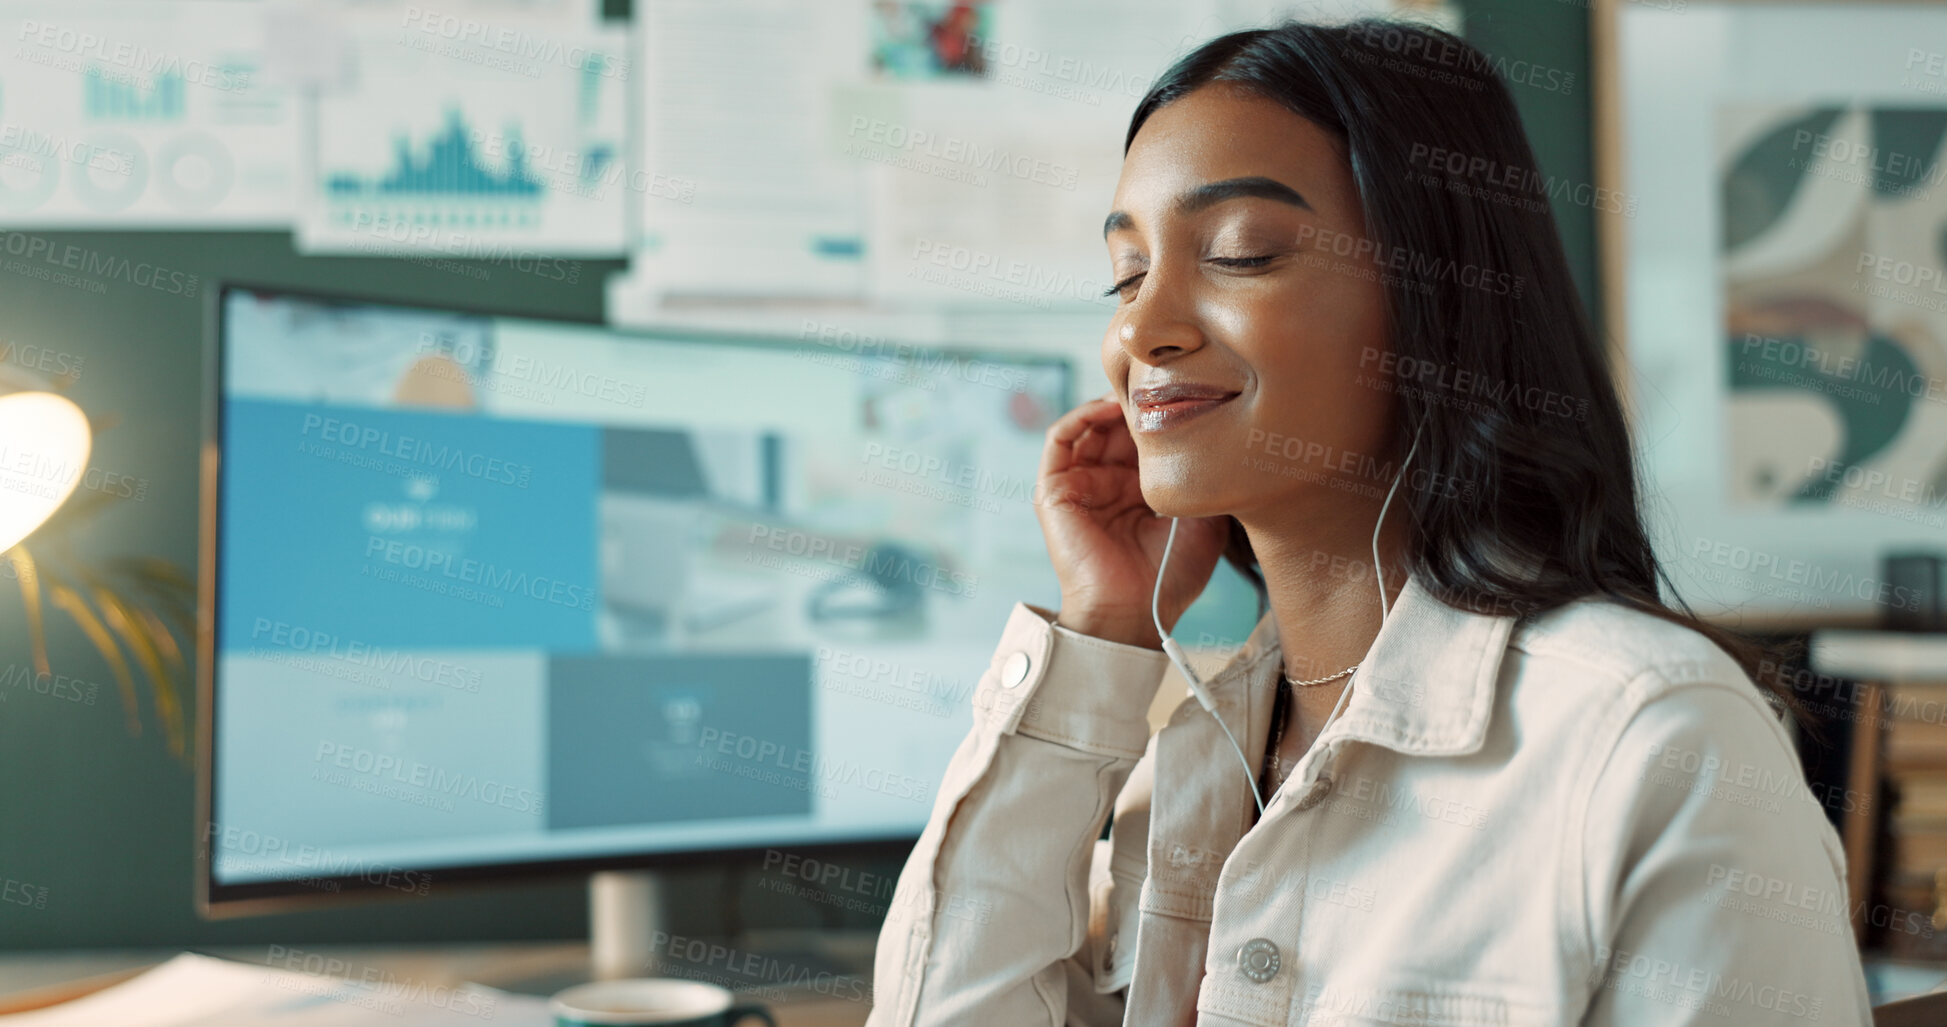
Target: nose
(1159, 324)
(1155, 327)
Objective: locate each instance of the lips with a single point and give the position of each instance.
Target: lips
(1164, 406)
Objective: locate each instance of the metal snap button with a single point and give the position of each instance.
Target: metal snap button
(1014, 669)
(1316, 793)
(1258, 959)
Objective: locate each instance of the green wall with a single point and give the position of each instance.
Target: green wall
(1561, 124)
(102, 820)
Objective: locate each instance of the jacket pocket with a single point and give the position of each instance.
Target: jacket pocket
(1459, 1004)
(1114, 910)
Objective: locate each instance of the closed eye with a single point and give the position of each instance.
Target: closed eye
(1117, 288)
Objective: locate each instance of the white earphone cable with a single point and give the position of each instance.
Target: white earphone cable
(1182, 661)
(1410, 450)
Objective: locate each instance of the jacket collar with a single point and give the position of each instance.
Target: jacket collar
(1426, 687)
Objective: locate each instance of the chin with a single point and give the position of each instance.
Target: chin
(1181, 498)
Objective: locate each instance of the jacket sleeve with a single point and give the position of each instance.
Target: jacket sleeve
(990, 919)
(1713, 883)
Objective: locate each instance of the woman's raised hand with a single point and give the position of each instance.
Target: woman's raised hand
(1104, 539)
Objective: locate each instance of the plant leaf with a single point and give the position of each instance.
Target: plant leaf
(163, 639)
(30, 598)
(168, 706)
(68, 599)
(165, 583)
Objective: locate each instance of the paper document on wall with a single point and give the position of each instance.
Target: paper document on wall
(914, 153)
(142, 115)
(741, 195)
(989, 186)
(508, 144)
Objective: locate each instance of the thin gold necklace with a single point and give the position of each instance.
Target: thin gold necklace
(1270, 775)
(1327, 679)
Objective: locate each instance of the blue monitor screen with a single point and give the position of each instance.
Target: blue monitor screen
(501, 592)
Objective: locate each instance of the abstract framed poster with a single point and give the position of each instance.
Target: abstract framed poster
(1776, 289)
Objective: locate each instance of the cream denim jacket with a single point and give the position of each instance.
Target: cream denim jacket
(1587, 817)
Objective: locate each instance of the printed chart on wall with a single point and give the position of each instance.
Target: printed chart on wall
(1835, 312)
(149, 115)
(448, 146)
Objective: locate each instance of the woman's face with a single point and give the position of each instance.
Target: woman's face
(1222, 238)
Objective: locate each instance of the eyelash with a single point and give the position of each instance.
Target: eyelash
(1116, 289)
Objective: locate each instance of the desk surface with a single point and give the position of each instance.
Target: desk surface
(33, 979)
(30, 980)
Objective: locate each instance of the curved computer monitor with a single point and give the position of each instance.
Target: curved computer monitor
(490, 596)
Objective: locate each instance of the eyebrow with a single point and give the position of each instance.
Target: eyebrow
(1211, 193)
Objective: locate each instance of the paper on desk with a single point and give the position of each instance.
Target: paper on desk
(199, 991)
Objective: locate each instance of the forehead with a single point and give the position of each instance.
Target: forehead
(1221, 131)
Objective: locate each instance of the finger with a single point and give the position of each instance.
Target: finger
(1058, 454)
(1119, 446)
(1083, 489)
(1088, 449)
(1108, 443)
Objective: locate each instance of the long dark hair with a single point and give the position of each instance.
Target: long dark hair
(1480, 292)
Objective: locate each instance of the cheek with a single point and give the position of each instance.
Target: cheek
(1115, 359)
(1319, 333)
(1317, 351)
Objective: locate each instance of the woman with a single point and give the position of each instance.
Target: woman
(1503, 783)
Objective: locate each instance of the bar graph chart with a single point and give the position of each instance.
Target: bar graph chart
(450, 166)
(108, 97)
(452, 177)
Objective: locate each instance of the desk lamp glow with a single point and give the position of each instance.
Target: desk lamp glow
(38, 430)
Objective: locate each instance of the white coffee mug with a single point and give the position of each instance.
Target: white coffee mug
(652, 1002)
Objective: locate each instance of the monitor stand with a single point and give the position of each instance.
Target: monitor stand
(629, 920)
(627, 911)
